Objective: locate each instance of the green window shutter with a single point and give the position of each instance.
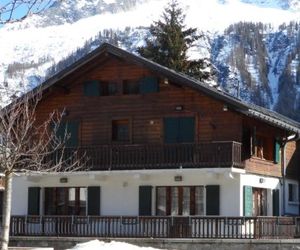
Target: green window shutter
(145, 200)
(276, 202)
(213, 200)
(148, 84)
(92, 88)
(34, 201)
(93, 200)
(248, 202)
(70, 129)
(171, 129)
(276, 152)
(186, 130)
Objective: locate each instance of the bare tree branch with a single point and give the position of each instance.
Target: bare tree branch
(17, 10)
(31, 146)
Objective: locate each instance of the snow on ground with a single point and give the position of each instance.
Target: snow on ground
(113, 245)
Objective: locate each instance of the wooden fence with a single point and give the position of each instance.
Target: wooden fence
(152, 156)
(156, 226)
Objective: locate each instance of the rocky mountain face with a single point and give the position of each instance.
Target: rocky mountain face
(261, 65)
(256, 61)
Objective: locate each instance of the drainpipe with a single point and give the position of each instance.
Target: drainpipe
(293, 137)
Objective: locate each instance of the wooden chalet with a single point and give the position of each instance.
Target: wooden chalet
(169, 156)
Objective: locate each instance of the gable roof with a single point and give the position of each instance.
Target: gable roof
(251, 110)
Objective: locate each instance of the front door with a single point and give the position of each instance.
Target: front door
(259, 198)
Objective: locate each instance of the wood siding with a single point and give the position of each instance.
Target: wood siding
(146, 112)
(293, 159)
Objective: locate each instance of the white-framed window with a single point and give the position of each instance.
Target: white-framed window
(293, 192)
(179, 200)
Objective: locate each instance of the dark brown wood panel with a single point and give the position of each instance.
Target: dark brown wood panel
(147, 111)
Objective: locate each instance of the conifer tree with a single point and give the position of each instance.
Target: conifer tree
(170, 41)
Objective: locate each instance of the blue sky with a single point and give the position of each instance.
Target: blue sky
(20, 11)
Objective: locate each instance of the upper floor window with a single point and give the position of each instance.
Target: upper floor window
(68, 133)
(100, 88)
(130, 87)
(109, 88)
(92, 88)
(120, 130)
(179, 129)
(148, 84)
(260, 145)
(145, 85)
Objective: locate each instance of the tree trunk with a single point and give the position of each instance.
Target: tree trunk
(6, 211)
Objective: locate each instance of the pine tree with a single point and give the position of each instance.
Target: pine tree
(170, 41)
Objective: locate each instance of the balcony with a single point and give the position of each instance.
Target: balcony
(167, 156)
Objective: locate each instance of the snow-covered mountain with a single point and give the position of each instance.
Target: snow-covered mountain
(293, 5)
(253, 43)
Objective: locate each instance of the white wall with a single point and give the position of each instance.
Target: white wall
(119, 190)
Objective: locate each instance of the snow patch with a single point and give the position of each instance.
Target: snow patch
(113, 245)
(109, 1)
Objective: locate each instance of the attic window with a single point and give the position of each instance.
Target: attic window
(144, 85)
(97, 88)
(91, 88)
(109, 88)
(130, 87)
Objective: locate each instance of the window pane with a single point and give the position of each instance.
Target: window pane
(50, 206)
(72, 201)
(60, 201)
(186, 201)
(109, 88)
(83, 201)
(120, 130)
(65, 201)
(130, 87)
(174, 201)
(161, 201)
(199, 200)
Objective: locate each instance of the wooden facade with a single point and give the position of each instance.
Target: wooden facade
(160, 144)
(145, 113)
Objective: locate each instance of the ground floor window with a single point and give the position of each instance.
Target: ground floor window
(293, 192)
(180, 200)
(65, 201)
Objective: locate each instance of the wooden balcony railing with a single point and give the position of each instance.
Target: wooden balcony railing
(156, 227)
(149, 156)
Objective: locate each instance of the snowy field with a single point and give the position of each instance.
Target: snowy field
(113, 245)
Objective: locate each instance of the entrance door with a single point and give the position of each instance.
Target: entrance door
(259, 198)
